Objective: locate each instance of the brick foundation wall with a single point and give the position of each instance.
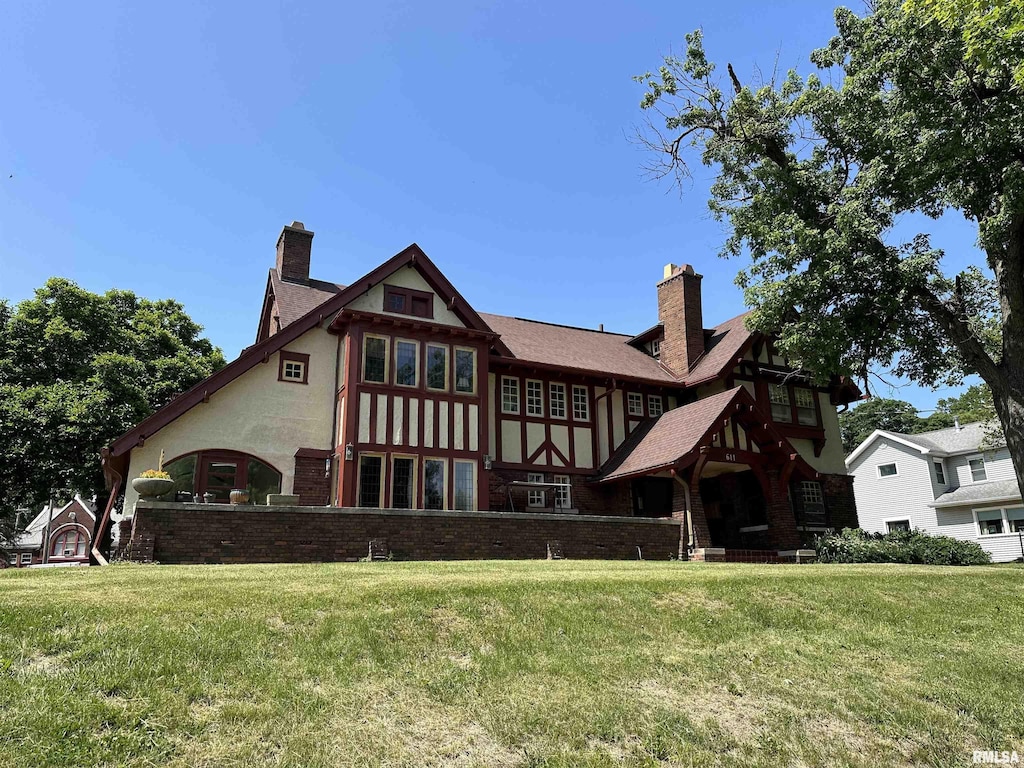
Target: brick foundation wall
(312, 482)
(200, 533)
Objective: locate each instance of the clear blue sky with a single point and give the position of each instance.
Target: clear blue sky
(161, 148)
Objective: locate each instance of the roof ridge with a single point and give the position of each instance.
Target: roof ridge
(559, 325)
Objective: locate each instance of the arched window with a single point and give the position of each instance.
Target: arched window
(218, 472)
(71, 543)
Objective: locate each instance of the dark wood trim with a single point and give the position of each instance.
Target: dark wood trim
(293, 357)
(408, 294)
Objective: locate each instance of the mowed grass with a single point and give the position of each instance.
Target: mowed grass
(510, 664)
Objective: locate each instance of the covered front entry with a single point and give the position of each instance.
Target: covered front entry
(721, 468)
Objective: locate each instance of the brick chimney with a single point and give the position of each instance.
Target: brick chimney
(679, 312)
(293, 248)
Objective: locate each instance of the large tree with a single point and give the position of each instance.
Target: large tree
(77, 369)
(813, 172)
(857, 424)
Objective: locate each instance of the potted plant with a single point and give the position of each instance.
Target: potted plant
(239, 496)
(152, 484)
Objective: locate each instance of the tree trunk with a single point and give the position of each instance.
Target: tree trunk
(1009, 405)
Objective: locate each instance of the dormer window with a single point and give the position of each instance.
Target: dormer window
(408, 301)
(656, 348)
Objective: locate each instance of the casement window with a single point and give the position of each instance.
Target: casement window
(654, 406)
(656, 348)
(940, 476)
(556, 400)
(69, 544)
(465, 370)
(293, 367)
(977, 465)
(990, 522)
(778, 395)
(437, 367)
(811, 490)
(580, 403)
(887, 470)
(534, 398)
(26, 558)
(635, 404)
(535, 498)
(375, 359)
(408, 301)
(891, 526)
(434, 483)
(13, 559)
(806, 411)
(563, 492)
(407, 354)
(371, 480)
(403, 482)
(465, 485)
(509, 394)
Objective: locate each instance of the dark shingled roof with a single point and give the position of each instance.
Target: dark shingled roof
(580, 348)
(727, 342)
(296, 299)
(662, 442)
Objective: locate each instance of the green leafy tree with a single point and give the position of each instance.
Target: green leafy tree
(812, 173)
(77, 369)
(857, 424)
(975, 404)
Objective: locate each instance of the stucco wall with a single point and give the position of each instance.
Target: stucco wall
(255, 414)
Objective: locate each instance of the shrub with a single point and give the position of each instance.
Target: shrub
(853, 545)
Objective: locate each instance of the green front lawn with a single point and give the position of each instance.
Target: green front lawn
(510, 663)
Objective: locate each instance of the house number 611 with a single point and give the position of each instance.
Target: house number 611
(730, 457)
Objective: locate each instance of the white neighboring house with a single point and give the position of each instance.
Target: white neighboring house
(957, 482)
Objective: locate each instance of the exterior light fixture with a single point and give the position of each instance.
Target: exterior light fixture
(350, 452)
(487, 462)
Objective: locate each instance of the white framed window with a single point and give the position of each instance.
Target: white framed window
(403, 482)
(535, 497)
(509, 394)
(778, 395)
(635, 404)
(556, 400)
(371, 480)
(26, 558)
(897, 525)
(465, 485)
(407, 359)
(990, 522)
(1015, 519)
(465, 371)
(13, 559)
(437, 367)
(435, 486)
(655, 406)
(977, 467)
(940, 475)
(580, 403)
(534, 398)
(375, 359)
(887, 470)
(806, 411)
(656, 348)
(563, 492)
(294, 370)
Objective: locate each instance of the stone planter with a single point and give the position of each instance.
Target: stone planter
(239, 496)
(150, 488)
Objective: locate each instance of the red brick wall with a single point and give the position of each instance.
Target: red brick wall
(312, 482)
(680, 312)
(839, 501)
(197, 533)
(293, 250)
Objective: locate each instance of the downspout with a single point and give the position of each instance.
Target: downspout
(115, 488)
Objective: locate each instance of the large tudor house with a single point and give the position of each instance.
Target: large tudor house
(393, 392)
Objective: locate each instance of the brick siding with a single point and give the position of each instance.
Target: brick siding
(199, 533)
(312, 482)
